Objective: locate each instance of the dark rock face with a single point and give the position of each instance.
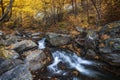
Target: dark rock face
(110, 52)
(113, 29)
(112, 59)
(91, 55)
(20, 72)
(58, 39)
(6, 65)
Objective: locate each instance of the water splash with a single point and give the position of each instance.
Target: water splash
(72, 61)
(41, 43)
(75, 78)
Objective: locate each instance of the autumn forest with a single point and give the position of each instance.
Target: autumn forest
(59, 39)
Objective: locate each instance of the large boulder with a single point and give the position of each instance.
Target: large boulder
(112, 29)
(110, 51)
(9, 39)
(20, 72)
(6, 65)
(58, 39)
(112, 59)
(91, 55)
(35, 59)
(23, 45)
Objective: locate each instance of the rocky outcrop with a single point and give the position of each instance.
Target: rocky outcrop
(110, 52)
(20, 72)
(6, 65)
(23, 45)
(35, 59)
(58, 39)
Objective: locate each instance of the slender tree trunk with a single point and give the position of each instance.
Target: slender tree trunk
(2, 7)
(97, 8)
(7, 10)
(88, 20)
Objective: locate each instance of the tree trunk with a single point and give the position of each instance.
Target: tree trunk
(9, 8)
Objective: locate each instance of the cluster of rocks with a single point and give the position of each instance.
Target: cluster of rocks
(23, 57)
(103, 45)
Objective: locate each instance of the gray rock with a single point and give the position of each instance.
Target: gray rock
(113, 29)
(36, 34)
(105, 50)
(1, 33)
(20, 72)
(9, 39)
(2, 42)
(80, 29)
(23, 45)
(111, 44)
(110, 53)
(12, 39)
(91, 55)
(116, 43)
(35, 59)
(58, 39)
(6, 65)
(113, 59)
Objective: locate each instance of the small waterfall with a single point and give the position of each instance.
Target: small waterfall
(72, 61)
(41, 43)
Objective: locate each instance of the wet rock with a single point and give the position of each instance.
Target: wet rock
(35, 59)
(115, 43)
(113, 29)
(113, 59)
(105, 50)
(110, 52)
(58, 39)
(1, 33)
(91, 55)
(23, 45)
(111, 45)
(6, 65)
(20, 72)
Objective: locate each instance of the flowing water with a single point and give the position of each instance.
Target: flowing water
(41, 43)
(65, 63)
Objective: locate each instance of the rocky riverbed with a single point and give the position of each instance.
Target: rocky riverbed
(91, 55)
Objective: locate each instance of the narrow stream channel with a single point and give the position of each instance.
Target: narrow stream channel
(66, 65)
